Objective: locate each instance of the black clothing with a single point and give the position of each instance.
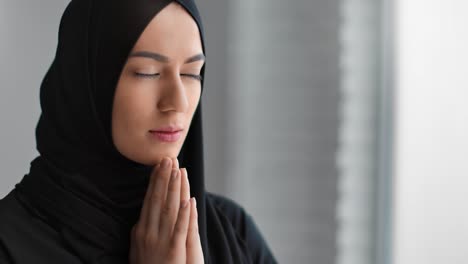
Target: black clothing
(81, 197)
(25, 237)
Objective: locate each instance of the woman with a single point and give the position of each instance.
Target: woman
(120, 111)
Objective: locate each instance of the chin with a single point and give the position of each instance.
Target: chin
(155, 158)
(149, 154)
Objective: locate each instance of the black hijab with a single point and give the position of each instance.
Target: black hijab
(80, 183)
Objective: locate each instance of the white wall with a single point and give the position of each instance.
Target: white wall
(431, 191)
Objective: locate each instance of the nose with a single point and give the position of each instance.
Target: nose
(173, 95)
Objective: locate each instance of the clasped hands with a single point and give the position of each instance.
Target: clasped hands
(167, 230)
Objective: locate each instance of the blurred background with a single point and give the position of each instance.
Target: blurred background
(341, 126)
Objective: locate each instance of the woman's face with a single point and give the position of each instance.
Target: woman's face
(159, 88)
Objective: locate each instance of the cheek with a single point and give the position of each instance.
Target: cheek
(132, 108)
(193, 98)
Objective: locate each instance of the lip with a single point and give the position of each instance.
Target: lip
(167, 129)
(167, 134)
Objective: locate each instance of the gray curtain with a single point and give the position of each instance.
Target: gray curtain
(271, 115)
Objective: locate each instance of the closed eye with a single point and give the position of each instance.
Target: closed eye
(147, 75)
(194, 76)
(154, 75)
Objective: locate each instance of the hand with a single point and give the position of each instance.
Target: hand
(167, 231)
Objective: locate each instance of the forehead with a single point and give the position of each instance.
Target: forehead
(172, 31)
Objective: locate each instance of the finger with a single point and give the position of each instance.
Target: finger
(175, 163)
(171, 207)
(146, 201)
(194, 248)
(185, 186)
(193, 238)
(158, 196)
(179, 236)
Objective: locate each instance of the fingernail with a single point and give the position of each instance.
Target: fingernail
(165, 163)
(195, 202)
(184, 204)
(174, 175)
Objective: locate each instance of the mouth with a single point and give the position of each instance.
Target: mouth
(167, 135)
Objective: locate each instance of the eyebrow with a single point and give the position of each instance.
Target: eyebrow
(165, 59)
